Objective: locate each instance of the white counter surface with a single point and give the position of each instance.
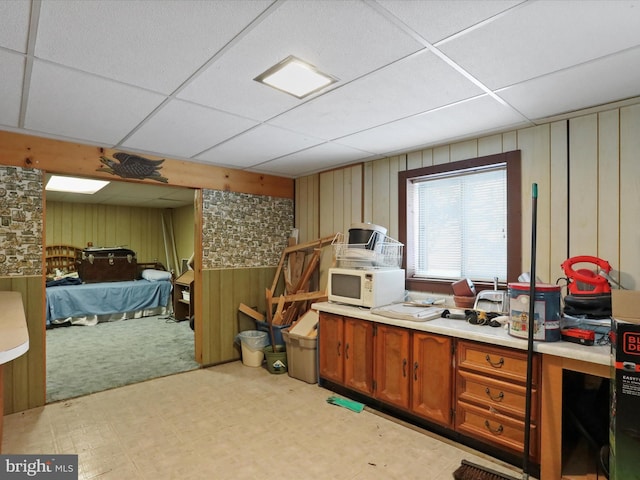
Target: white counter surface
(14, 336)
(598, 354)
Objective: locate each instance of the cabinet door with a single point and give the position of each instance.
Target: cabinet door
(432, 375)
(392, 365)
(330, 347)
(358, 355)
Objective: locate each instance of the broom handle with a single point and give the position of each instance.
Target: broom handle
(531, 326)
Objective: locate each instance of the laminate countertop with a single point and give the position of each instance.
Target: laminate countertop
(14, 336)
(597, 354)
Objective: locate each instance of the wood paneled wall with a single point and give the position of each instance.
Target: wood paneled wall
(24, 377)
(588, 177)
(225, 290)
(137, 228)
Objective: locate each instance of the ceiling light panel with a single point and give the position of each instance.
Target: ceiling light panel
(314, 30)
(84, 186)
(295, 77)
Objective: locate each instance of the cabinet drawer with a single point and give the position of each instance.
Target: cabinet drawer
(505, 363)
(496, 395)
(494, 428)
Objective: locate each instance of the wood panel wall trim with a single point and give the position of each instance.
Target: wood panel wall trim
(77, 159)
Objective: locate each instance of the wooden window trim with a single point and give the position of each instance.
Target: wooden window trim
(514, 218)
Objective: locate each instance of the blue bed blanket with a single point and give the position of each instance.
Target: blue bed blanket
(105, 298)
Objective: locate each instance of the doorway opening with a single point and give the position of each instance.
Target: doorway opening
(98, 352)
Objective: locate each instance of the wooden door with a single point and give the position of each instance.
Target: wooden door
(330, 347)
(432, 378)
(358, 355)
(392, 365)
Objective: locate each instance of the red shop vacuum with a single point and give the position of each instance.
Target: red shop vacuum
(589, 293)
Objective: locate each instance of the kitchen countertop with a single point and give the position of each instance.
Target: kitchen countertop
(598, 354)
(14, 336)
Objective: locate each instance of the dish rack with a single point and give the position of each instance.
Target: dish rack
(380, 252)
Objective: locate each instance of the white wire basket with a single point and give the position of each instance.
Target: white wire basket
(380, 252)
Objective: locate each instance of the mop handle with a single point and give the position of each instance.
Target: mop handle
(530, 328)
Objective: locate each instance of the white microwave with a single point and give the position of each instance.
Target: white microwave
(367, 287)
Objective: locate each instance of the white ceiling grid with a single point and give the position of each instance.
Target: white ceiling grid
(175, 78)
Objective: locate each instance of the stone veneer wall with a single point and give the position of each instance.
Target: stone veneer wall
(21, 222)
(243, 230)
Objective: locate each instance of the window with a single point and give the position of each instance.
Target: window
(461, 220)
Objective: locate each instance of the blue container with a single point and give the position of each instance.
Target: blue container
(277, 331)
(546, 311)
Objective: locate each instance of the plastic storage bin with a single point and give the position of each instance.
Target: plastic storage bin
(252, 343)
(277, 331)
(302, 361)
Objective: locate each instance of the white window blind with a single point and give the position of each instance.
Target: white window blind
(460, 225)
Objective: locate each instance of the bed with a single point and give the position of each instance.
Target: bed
(71, 302)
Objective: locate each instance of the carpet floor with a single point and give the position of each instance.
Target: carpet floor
(88, 359)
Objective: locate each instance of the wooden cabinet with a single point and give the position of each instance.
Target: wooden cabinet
(491, 396)
(392, 365)
(183, 296)
(330, 344)
(432, 377)
(481, 395)
(345, 351)
(358, 355)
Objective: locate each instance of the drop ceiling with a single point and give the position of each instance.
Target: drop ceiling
(175, 78)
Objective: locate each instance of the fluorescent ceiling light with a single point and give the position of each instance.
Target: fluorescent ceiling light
(75, 185)
(295, 77)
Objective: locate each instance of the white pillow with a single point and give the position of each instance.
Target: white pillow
(155, 275)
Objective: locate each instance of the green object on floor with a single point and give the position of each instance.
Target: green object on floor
(346, 403)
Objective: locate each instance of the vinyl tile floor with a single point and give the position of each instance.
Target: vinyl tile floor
(231, 422)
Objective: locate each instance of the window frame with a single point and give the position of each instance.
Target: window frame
(514, 218)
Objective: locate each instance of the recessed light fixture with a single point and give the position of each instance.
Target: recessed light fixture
(74, 185)
(295, 77)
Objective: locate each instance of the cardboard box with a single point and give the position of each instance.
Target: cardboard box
(624, 430)
(307, 324)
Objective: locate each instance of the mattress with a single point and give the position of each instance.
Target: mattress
(105, 298)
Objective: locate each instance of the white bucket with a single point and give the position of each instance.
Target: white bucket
(251, 358)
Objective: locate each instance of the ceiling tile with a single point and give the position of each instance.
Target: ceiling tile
(545, 36)
(413, 85)
(315, 159)
(345, 39)
(15, 24)
(438, 19)
(257, 146)
(156, 45)
(12, 68)
(102, 111)
(577, 88)
(183, 129)
(479, 115)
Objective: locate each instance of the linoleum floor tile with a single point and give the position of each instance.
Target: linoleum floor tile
(230, 422)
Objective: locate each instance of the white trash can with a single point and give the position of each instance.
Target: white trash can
(253, 343)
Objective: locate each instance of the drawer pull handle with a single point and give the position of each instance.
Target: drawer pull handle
(404, 367)
(497, 364)
(346, 351)
(495, 398)
(497, 431)
(415, 371)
